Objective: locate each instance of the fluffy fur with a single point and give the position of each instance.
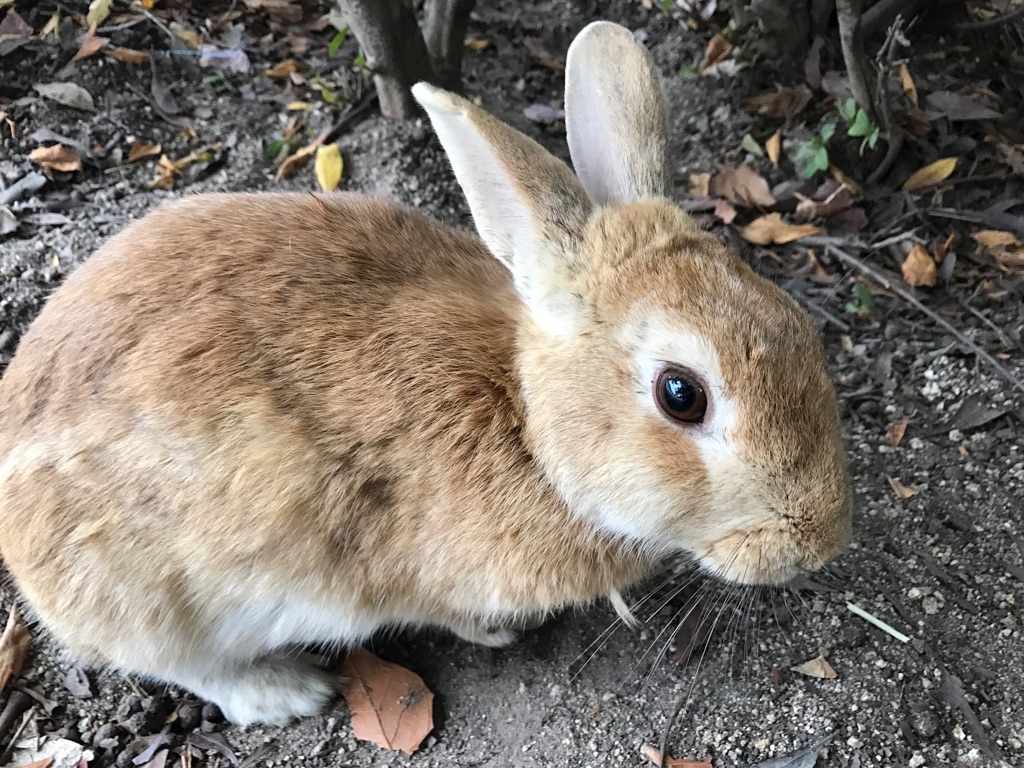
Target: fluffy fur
(252, 421)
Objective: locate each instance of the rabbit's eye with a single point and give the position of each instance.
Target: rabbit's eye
(680, 396)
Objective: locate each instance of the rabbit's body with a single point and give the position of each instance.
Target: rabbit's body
(239, 324)
(249, 422)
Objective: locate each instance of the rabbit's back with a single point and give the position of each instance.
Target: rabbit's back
(235, 389)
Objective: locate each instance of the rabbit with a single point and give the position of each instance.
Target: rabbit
(255, 422)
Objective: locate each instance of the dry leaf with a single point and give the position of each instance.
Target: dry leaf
(845, 180)
(56, 158)
(725, 211)
(11, 125)
(700, 184)
(994, 238)
(718, 48)
(390, 705)
(817, 667)
(283, 70)
(908, 84)
(919, 268)
(142, 149)
(8, 221)
(328, 166)
(476, 44)
(89, 46)
(98, 12)
(282, 10)
(896, 432)
(742, 185)
(772, 229)
(931, 174)
(68, 94)
(902, 491)
(129, 55)
(653, 754)
(188, 36)
(773, 147)
(296, 160)
(782, 103)
(1003, 247)
(46, 762)
(51, 27)
(837, 199)
(168, 168)
(14, 644)
(14, 27)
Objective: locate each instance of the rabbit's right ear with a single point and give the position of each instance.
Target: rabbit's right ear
(527, 205)
(615, 116)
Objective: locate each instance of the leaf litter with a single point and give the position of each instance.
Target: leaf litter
(390, 705)
(14, 644)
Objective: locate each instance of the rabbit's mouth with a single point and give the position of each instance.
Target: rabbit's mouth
(768, 554)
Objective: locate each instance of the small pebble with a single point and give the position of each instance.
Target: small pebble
(925, 723)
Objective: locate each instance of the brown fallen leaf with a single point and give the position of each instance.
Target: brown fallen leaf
(282, 10)
(718, 49)
(14, 644)
(1003, 247)
(919, 268)
(741, 185)
(772, 229)
(283, 70)
(168, 168)
(56, 157)
(46, 762)
(653, 754)
(142, 149)
(390, 705)
(902, 491)
(931, 174)
(6, 120)
(89, 45)
(129, 55)
(700, 184)
(831, 198)
(817, 667)
(896, 432)
(542, 55)
(782, 103)
(908, 84)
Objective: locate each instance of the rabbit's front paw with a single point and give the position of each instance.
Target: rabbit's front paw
(271, 690)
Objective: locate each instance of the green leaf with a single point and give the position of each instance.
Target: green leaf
(873, 138)
(329, 96)
(848, 109)
(821, 160)
(666, 5)
(336, 41)
(827, 131)
(690, 69)
(359, 61)
(861, 124)
(865, 301)
(750, 144)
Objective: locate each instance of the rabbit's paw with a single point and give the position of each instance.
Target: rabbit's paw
(493, 637)
(272, 690)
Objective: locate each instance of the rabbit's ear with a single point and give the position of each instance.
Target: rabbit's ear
(527, 205)
(615, 116)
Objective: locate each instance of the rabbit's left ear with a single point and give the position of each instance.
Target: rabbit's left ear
(615, 116)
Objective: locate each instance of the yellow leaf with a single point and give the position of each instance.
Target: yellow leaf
(773, 147)
(98, 12)
(476, 44)
(148, 4)
(328, 166)
(931, 174)
(919, 268)
(700, 184)
(188, 36)
(908, 84)
(772, 229)
(298, 106)
(845, 180)
(6, 3)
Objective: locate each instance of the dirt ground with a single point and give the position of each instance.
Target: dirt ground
(944, 566)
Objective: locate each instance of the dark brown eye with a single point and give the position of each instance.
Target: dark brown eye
(680, 396)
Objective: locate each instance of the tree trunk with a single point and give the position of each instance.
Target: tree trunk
(445, 32)
(395, 52)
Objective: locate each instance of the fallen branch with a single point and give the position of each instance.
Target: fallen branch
(906, 295)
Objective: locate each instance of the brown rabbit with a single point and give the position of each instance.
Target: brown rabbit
(254, 421)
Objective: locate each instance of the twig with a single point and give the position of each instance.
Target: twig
(828, 316)
(893, 134)
(351, 114)
(995, 21)
(907, 296)
(887, 628)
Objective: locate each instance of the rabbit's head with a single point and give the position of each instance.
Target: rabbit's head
(674, 397)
